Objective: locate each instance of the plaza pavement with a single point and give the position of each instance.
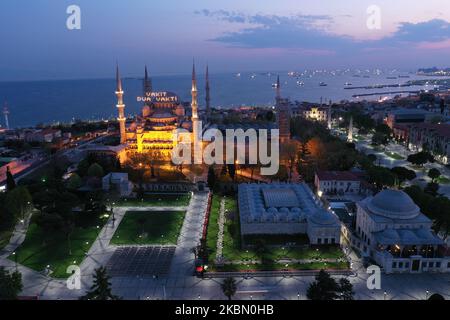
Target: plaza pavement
(181, 284)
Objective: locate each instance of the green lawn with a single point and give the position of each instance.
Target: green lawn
(155, 200)
(394, 155)
(4, 238)
(37, 251)
(149, 227)
(443, 180)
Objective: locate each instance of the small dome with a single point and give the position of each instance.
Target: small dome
(272, 210)
(394, 204)
(323, 217)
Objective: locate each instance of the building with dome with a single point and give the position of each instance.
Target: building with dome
(162, 114)
(391, 230)
(284, 208)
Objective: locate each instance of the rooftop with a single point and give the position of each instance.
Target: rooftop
(337, 175)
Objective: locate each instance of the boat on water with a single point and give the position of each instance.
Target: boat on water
(322, 84)
(347, 84)
(274, 85)
(391, 78)
(404, 76)
(238, 75)
(300, 83)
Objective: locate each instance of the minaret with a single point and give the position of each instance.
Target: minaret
(208, 97)
(121, 107)
(6, 113)
(329, 116)
(195, 122)
(278, 97)
(147, 84)
(283, 117)
(350, 130)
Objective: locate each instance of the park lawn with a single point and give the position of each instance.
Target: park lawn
(394, 155)
(149, 227)
(443, 180)
(5, 236)
(158, 200)
(36, 253)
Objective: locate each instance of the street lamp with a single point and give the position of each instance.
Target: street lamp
(298, 296)
(15, 259)
(385, 295)
(427, 293)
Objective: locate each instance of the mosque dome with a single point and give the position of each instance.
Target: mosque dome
(394, 204)
(323, 217)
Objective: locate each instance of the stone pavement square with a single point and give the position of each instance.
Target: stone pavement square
(146, 261)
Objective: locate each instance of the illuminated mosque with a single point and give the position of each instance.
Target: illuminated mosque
(162, 113)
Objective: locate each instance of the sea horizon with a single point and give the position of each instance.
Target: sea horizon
(35, 102)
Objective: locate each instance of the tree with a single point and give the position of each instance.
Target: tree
(383, 129)
(10, 284)
(434, 174)
(379, 138)
(101, 288)
(432, 188)
(403, 174)
(74, 182)
(10, 182)
(231, 171)
(420, 158)
(437, 297)
(229, 287)
(327, 288)
(345, 289)
(211, 177)
(323, 288)
(381, 177)
(289, 153)
(95, 170)
(17, 201)
(260, 247)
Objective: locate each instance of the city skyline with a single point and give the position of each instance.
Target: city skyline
(230, 36)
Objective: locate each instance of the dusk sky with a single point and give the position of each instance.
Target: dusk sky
(231, 35)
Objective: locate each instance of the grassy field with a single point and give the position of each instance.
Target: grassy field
(37, 251)
(158, 200)
(443, 180)
(4, 238)
(145, 227)
(394, 155)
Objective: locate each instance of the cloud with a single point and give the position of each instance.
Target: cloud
(315, 33)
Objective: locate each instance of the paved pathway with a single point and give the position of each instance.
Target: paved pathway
(221, 223)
